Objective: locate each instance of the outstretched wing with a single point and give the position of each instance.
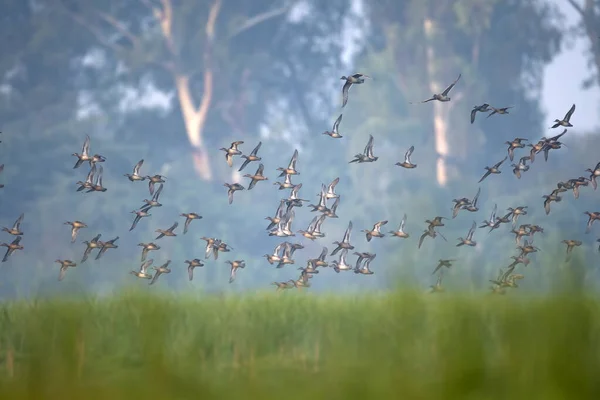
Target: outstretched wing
(345, 93)
(449, 88)
(570, 113)
(85, 150)
(253, 153)
(336, 124)
(497, 165)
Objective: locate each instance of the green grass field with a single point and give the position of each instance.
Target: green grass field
(300, 346)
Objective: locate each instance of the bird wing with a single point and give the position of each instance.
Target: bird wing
(255, 150)
(408, 154)
(345, 90)
(369, 147)
(333, 184)
(85, 150)
(402, 223)
(488, 172)
(136, 169)
(17, 223)
(449, 88)
(346, 238)
(90, 175)
(497, 165)
(336, 124)
(292, 164)
(472, 231)
(570, 113)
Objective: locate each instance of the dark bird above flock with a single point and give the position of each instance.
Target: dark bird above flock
(280, 224)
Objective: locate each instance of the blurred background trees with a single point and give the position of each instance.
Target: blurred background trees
(172, 81)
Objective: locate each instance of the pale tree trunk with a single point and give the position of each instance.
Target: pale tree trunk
(440, 114)
(194, 116)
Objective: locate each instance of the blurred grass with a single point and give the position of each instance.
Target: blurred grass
(297, 345)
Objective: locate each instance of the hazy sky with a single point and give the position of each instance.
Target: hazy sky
(562, 82)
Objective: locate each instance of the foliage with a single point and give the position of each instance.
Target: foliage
(260, 346)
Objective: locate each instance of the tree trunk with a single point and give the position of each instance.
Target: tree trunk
(194, 117)
(440, 116)
(194, 120)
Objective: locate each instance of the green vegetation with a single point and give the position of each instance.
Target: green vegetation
(298, 346)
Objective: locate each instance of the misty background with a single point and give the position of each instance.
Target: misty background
(173, 81)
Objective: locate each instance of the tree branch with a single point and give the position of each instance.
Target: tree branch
(94, 31)
(208, 72)
(119, 26)
(577, 7)
(194, 118)
(165, 17)
(260, 18)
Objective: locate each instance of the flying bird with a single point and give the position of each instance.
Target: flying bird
(135, 176)
(367, 155)
(501, 111)
(566, 121)
(251, 157)
(482, 108)
(355, 79)
(232, 151)
(407, 163)
(334, 131)
(493, 169)
(443, 97)
(189, 217)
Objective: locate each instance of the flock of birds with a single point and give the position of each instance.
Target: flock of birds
(280, 224)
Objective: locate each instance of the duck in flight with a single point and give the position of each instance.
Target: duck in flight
(291, 168)
(401, 232)
(443, 97)
(407, 163)
(258, 176)
(135, 176)
(443, 263)
(468, 241)
(367, 155)
(75, 227)
(85, 155)
(231, 189)
(232, 151)
(502, 110)
(189, 217)
(251, 157)
(355, 79)
(345, 244)
(515, 144)
(16, 228)
(482, 108)
(566, 120)
(334, 131)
